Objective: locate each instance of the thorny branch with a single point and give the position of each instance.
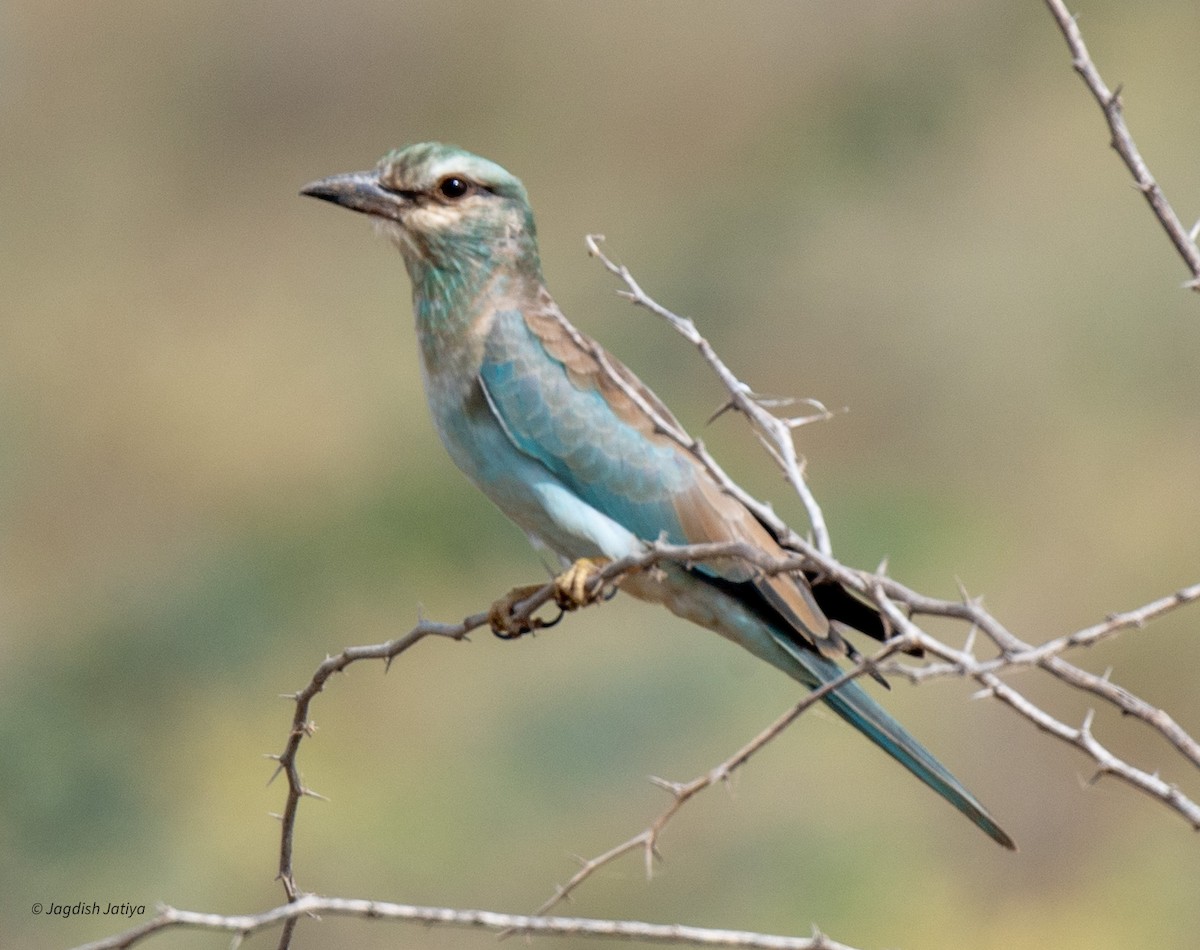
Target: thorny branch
(774, 432)
(682, 792)
(898, 603)
(1122, 142)
(243, 925)
(303, 727)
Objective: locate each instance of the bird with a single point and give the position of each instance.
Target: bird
(563, 439)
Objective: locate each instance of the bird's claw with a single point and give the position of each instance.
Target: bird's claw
(579, 585)
(575, 587)
(503, 619)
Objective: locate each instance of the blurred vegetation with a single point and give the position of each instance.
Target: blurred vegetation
(216, 467)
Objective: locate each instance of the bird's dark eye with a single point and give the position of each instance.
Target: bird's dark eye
(453, 188)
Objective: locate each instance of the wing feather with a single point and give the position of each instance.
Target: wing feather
(607, 446)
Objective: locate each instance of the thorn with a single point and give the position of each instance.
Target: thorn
(727, 406)
(984, 693)
(307, 729)
(309, 793)
(882, 569)
(650, 854)
(969, 645)
(672, 787)
(1086, 729)
(275, 815)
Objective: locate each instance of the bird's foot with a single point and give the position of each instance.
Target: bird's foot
(579, 585)
(503, 618)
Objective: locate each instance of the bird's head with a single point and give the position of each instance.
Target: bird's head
(446, 209)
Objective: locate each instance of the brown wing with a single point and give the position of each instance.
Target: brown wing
(705, 512)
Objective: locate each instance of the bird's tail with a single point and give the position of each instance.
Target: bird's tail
(853, 704)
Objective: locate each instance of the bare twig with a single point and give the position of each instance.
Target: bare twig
(1046, 657)
(1016, 652)
(242, 925)
(682, 792)
(887, 592)
(1122, 141)
(302, 726)
(1081, 738)
(774, 432)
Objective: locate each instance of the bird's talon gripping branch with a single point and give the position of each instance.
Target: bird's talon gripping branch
(579, 585)
(502, 615)
(575, 587)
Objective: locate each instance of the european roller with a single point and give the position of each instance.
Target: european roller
(567, 448)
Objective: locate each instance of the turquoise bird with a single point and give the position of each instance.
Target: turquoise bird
(529, 414)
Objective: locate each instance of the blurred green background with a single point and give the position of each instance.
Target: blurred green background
(216, 465)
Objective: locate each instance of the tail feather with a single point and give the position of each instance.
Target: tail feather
(747, 618)
(853, 704)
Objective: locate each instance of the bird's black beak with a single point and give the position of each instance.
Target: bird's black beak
(358, 191)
